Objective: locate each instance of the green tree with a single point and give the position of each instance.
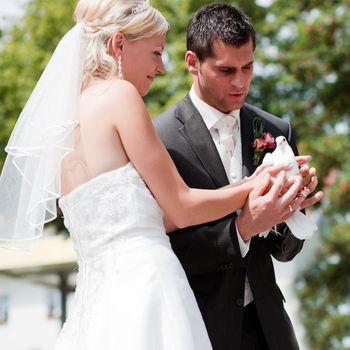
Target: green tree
(25, 50)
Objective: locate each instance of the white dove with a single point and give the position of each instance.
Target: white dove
(300, 225)
(283, 155)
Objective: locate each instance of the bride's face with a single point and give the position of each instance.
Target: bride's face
(142, 61)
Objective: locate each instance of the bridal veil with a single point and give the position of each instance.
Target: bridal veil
(42, 137)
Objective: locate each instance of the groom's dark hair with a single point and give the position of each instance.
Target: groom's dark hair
(218, 22)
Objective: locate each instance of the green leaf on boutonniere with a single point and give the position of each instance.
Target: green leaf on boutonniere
(262, 140)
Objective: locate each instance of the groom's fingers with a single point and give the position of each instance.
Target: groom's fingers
(277, 186)
(297, 201)
(293, 190)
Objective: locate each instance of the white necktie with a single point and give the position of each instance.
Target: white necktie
(227, 128)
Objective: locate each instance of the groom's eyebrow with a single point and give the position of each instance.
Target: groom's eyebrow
(235, 67)
(248, 64)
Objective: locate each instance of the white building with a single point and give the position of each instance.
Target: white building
(33, 287)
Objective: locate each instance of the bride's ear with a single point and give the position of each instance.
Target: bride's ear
(115, 45)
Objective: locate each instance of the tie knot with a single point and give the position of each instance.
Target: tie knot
(226, 128)
(226, 124)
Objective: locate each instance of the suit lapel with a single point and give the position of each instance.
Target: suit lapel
(198, 136)
(247, 138)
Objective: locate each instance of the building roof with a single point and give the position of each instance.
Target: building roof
(52, 254)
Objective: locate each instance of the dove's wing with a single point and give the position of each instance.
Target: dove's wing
(284, 155)
(301, 226)
(268, 158)
(289, 154)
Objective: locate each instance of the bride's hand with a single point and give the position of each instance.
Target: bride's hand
(273, 171)
(264, 176)
(268, 168)
(301, 160)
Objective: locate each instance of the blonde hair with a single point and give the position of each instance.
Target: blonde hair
(102, 19)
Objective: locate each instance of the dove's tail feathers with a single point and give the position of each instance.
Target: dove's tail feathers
(301, 226)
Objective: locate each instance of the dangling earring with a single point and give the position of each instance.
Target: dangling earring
(119, 64)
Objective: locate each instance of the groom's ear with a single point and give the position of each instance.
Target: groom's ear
(192, 62)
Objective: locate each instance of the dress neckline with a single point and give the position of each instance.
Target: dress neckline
(94, 179)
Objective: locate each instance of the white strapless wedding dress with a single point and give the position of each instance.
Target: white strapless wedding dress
(132, 293)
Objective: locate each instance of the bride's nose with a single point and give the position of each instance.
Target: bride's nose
(160, 68)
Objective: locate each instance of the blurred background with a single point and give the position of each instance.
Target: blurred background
(302, 74)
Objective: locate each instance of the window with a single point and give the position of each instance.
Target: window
(4, 308)
(54, 305)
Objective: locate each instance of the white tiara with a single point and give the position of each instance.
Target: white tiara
(143, 6)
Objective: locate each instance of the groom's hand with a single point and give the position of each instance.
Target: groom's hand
(268, 205)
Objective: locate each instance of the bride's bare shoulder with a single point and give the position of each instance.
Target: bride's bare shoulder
(111, 90)
(110, 96)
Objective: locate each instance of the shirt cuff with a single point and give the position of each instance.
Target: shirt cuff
(243, 245)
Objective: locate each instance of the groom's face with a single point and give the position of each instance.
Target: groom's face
(223, 79)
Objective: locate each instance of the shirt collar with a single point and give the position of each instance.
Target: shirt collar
(209, 114)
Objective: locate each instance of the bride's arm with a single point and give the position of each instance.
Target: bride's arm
(183, 206)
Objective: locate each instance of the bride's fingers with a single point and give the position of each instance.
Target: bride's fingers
(274, 170)
(304, 171)
(312, 184)
(311, 200)
(303, 159)
(260, 169)
(261, 184)
(309, 178)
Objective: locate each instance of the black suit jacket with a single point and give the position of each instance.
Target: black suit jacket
(210, 253)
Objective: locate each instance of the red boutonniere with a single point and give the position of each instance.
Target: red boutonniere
(262, 140)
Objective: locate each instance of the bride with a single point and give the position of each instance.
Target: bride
(85, 137)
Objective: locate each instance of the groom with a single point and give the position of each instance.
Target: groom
(228, 265)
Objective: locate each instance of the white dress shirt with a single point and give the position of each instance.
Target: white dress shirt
(210, 117)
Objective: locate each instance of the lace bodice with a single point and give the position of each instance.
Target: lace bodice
(131, 291)
(102, 211)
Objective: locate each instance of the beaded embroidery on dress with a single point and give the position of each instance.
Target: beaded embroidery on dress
(132, 293)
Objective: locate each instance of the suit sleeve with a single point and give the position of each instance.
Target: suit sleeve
(207, 248)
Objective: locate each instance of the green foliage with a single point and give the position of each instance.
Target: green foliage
(302, 74)
(324, 292)
(25, 51)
